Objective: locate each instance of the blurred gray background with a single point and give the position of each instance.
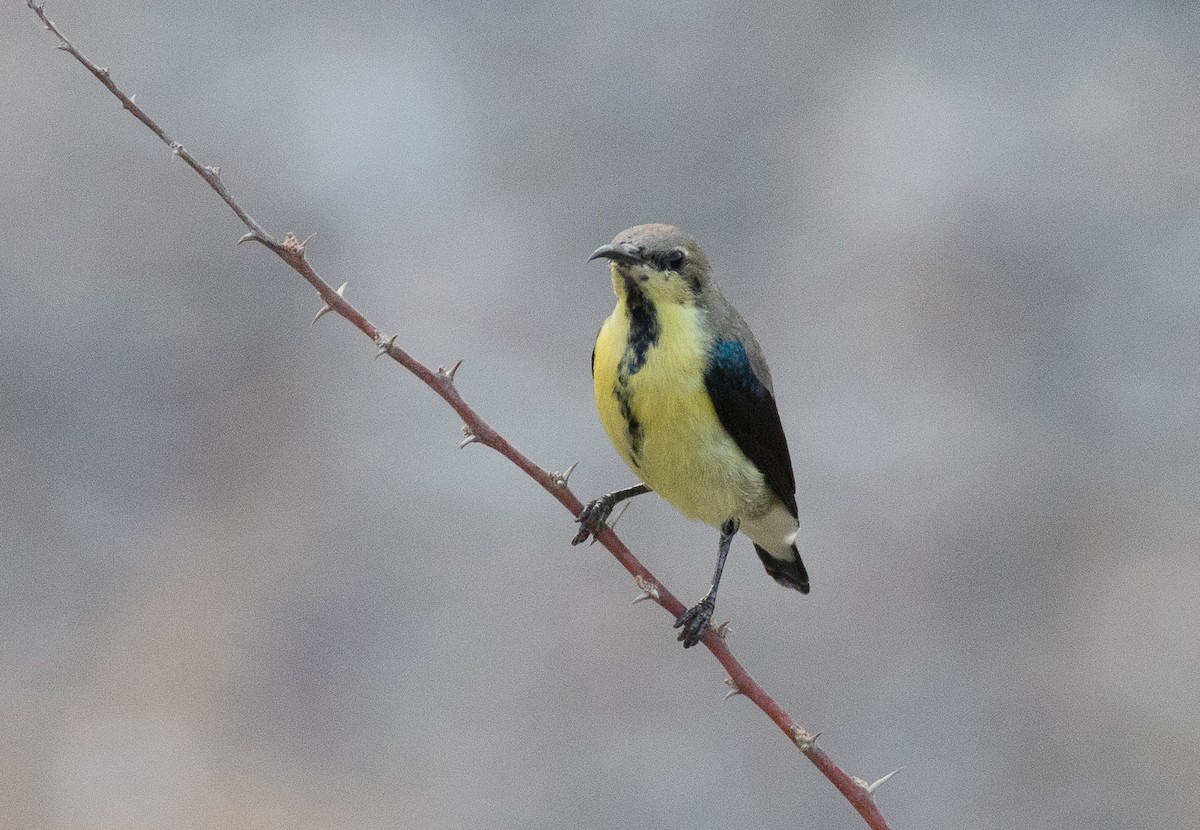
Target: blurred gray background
(250, 582)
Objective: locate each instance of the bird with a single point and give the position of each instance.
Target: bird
(685, 396)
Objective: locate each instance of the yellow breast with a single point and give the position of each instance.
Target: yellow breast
(662, 422)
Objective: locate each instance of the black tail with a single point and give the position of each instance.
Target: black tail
(789, 572)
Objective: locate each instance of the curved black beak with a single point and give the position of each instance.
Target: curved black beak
(625, 253)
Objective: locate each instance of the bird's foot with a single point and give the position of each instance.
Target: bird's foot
(592, 519)
(695, 620)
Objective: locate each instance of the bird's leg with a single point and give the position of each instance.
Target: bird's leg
(694, 621)
(595, 514)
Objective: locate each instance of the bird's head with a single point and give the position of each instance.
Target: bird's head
(659, 262)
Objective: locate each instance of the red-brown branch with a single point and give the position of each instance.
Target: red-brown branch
(291, 251)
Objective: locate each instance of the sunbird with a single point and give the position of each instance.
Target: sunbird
(685, 396)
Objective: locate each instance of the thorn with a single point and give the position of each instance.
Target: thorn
(386, 346)
(613, 523)
(723, 628)
(133, 100)
(471, 438)
(305, 242)
(806, 741)
(733, 689)
(102, 71)
(327, 307)
(871, 788)
(62, 46)
(251, 237)
(561, 479)
(609, 525)
(642, 597)
(448, 374)
(648, 588)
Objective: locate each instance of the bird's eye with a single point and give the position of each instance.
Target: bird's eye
(675, 259)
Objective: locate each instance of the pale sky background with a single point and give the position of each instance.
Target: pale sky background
(250, 582)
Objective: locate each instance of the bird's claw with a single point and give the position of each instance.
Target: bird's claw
(592, 519)
(694, 622)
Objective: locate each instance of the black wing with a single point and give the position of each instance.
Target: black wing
(747, 411)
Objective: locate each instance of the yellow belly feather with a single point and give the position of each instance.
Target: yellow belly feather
(685, 455)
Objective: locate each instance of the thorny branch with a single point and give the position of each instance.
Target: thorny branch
(291, 250)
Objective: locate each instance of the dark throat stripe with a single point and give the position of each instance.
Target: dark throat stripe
(643, 329)
(643, 333)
